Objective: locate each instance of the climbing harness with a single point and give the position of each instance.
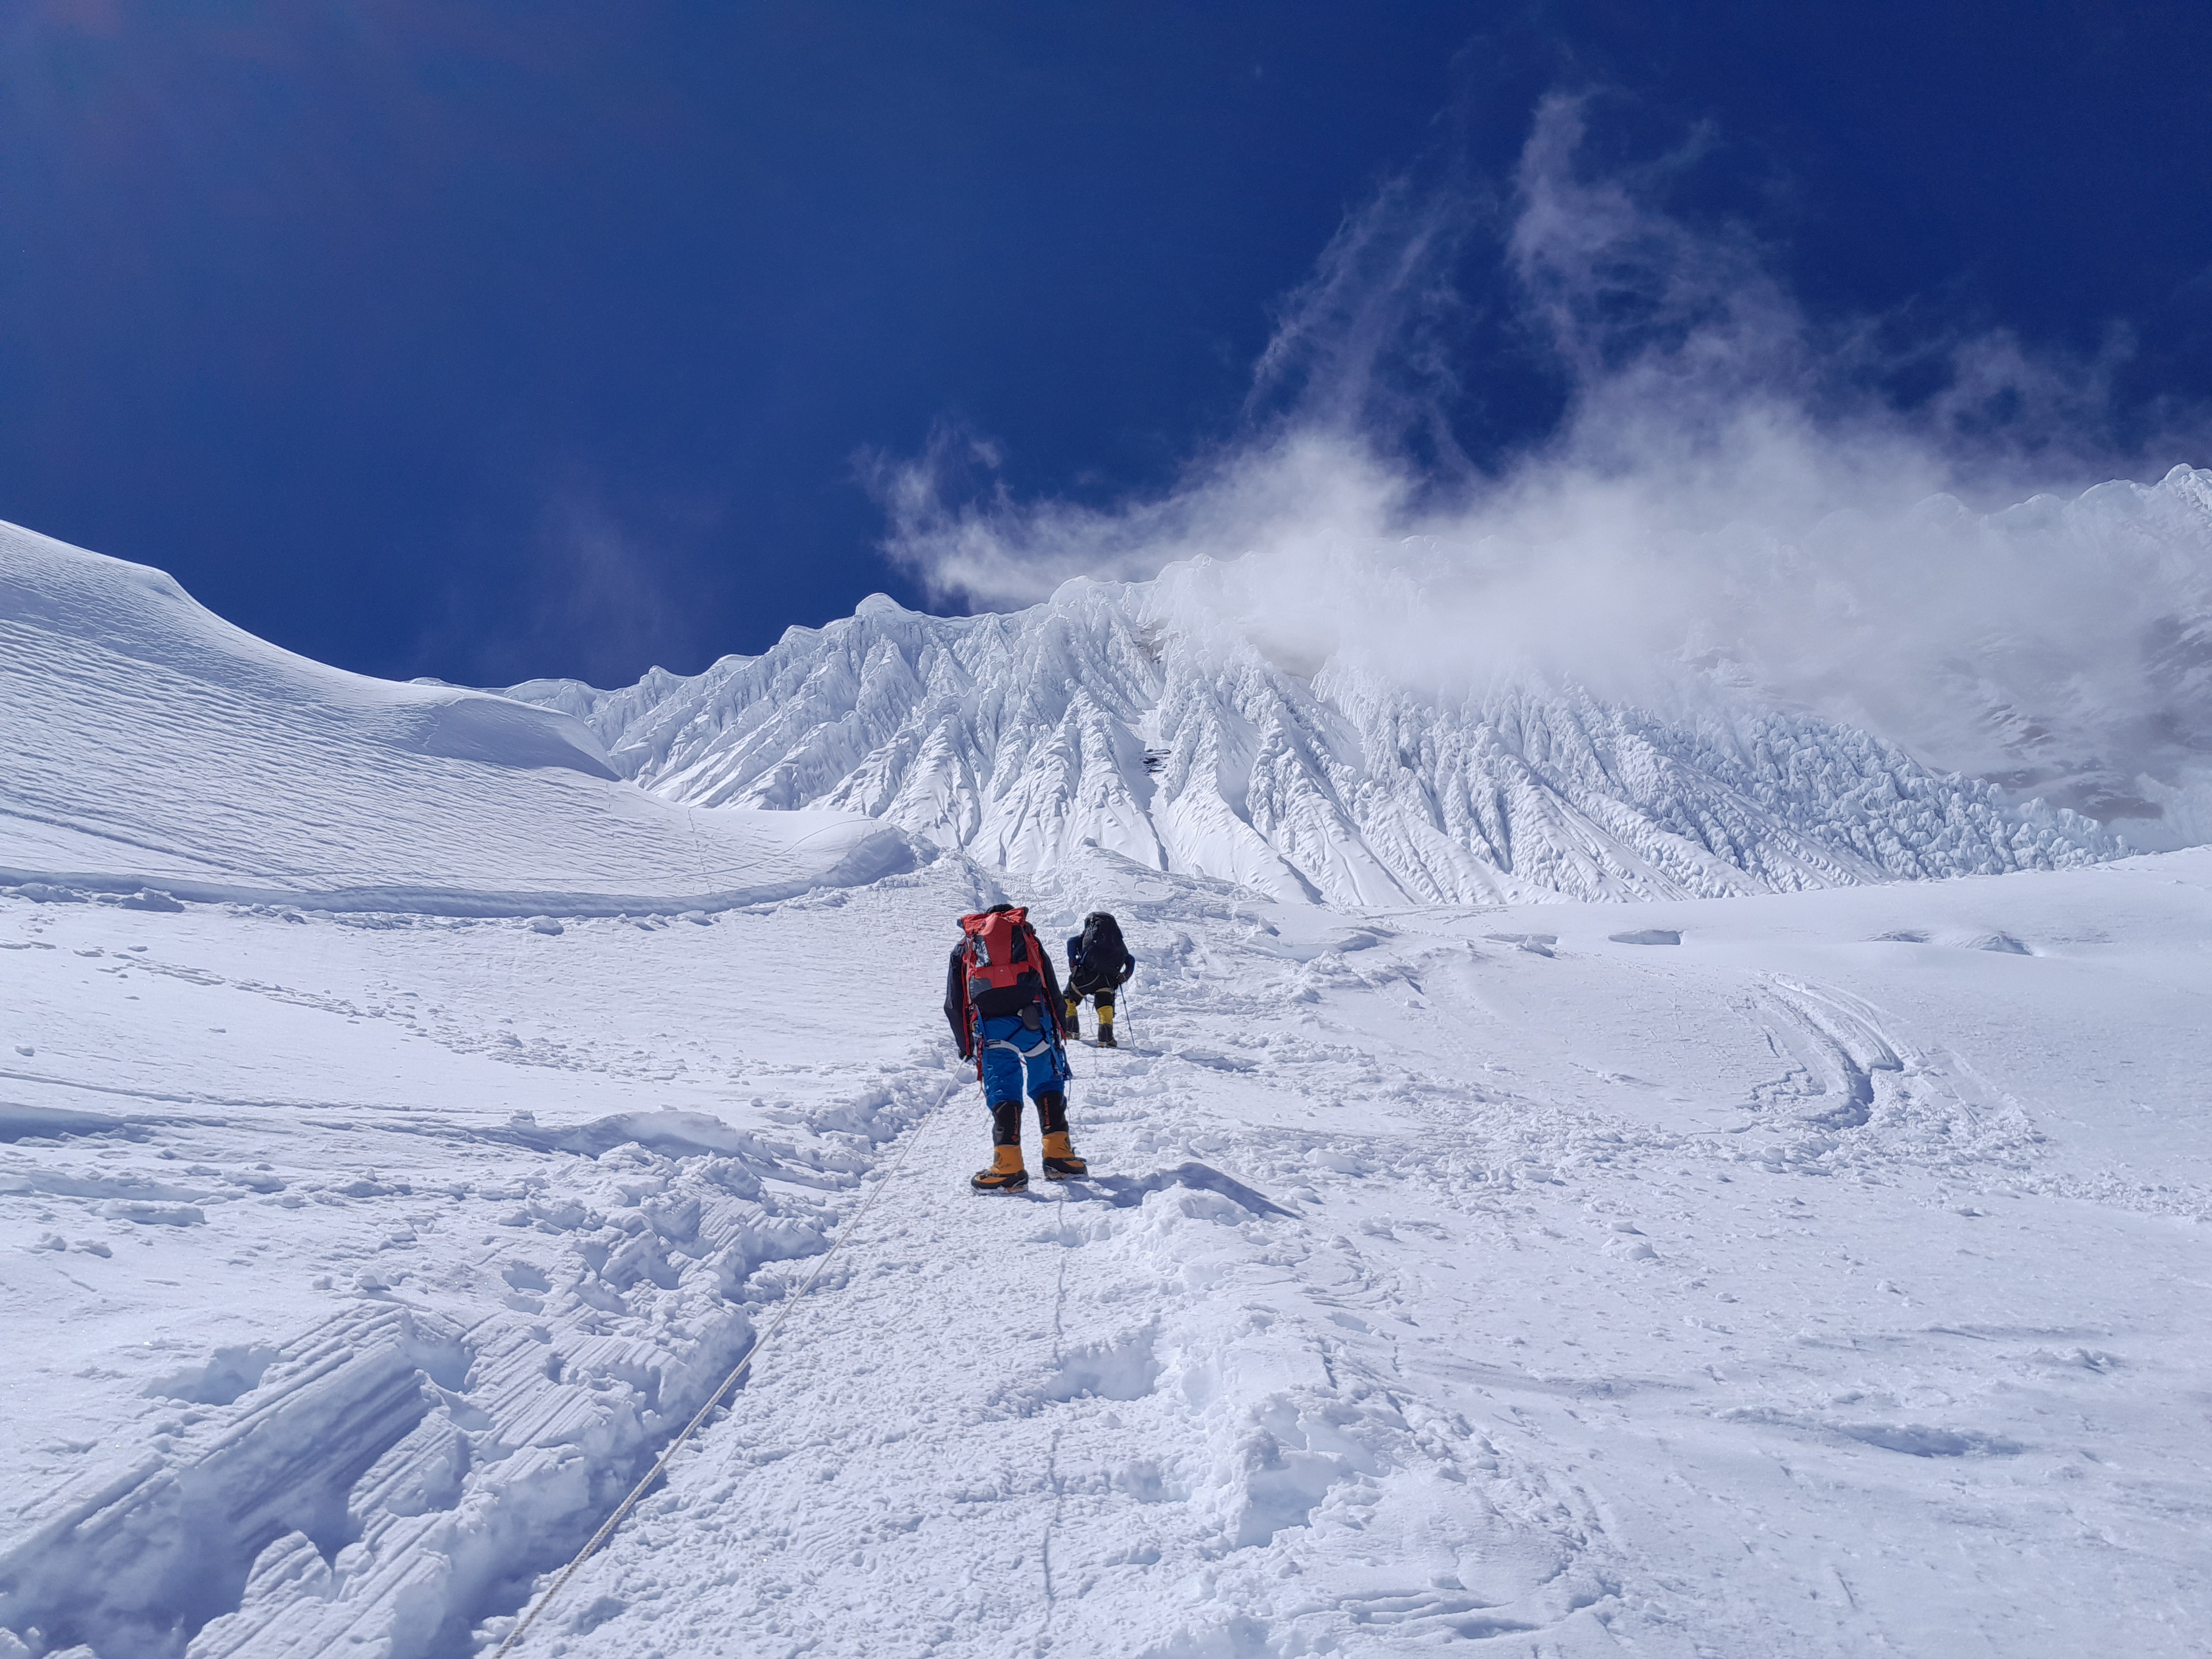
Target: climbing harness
(714, 1399)
(1044, 1044)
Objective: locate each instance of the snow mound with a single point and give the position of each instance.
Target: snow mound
(155, 744)
(1148, 719)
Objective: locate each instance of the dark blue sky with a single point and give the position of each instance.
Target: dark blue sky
(485, 340)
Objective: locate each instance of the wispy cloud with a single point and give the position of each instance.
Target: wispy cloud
(589, 594)
(1728, 472)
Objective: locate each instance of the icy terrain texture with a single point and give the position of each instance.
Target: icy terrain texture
(151, 742)
(1161, 721)
(1825, 1282)
(427, 1241)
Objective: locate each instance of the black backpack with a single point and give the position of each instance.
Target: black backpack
(1103, 953)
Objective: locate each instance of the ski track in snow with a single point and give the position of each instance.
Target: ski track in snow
(1805, 1287)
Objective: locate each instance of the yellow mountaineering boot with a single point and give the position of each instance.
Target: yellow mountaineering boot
(1074, 1007)
(1106, 1026)
(1005, 1174)
(1060, 1163)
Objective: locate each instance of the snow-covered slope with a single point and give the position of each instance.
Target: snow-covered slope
(1825, 1284)
(149, 742)
(1811, 1272)
(1158, 721)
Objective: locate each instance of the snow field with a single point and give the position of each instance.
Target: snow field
(1826, 1282)
(369, 1262)
(154, 745)
(1402, 1314)
(1819, 1284)
(404, 1122)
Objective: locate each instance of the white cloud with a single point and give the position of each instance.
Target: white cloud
(1728, 475)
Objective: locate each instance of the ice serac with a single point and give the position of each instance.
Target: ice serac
(150, 743)
(1149, 719)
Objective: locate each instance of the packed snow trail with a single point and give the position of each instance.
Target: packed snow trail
(1084, 1466)
(713, 1401)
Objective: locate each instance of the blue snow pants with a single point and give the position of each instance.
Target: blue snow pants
(1014, 1055)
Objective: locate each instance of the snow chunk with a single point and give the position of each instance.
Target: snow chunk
(164, 1215)
(226, 1375)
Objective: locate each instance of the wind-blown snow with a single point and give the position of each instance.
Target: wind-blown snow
(2060, 649)
(150, 742)
(1160, 721)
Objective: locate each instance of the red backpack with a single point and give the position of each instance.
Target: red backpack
(1003, 959)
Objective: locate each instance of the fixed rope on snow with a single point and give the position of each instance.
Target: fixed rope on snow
(607, 1530)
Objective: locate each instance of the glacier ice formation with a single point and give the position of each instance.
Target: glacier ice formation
(1138, 717)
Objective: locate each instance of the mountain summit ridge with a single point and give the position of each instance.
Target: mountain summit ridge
(1143, 718)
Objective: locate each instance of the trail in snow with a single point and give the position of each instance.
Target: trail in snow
(1414, 1334)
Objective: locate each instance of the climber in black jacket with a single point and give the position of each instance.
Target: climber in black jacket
(1098, 964)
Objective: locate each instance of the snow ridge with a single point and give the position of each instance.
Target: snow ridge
(152, 743)
(1145, 719)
